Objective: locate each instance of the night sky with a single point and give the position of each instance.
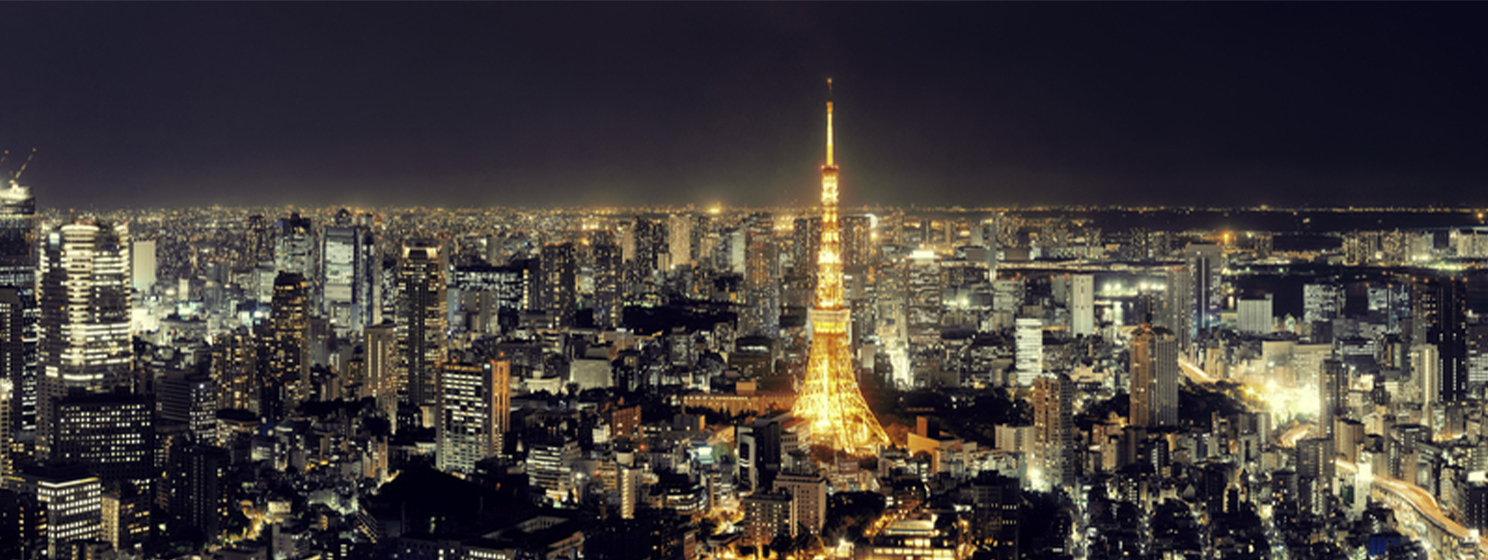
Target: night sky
(975, 104)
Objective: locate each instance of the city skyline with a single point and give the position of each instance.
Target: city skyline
(567, 105)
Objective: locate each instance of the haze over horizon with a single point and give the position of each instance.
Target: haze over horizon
(540, 105)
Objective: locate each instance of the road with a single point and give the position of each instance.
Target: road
(1421, 500)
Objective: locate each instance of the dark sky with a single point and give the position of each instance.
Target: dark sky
(150, 104)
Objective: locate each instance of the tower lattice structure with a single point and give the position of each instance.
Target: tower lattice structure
(830, 401)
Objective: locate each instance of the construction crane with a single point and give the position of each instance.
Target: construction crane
(15, 176)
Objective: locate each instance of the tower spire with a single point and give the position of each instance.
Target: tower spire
(829, 122)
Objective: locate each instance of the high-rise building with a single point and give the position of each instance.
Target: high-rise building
(830, 402)
(761, 277)
(347, 258)
(650, 249)
(84, 337)
(560, 271)
(1177, 310)
(72, 499)
(766, 516)
(1206, 263)
(288, 380)
(1332, 388)
(258, 244)
(1154, 377)
(12, 369)
(1054, 429)
(680, 240)
(609, 287)
(1437, 319)
(808, 493)
(488, 298)
(384, 365)
(1315, 470)
(1082, 304)
(857, 242)
(1254, 315)
(1029, 349)
(474, 409)
(806, 245)
(111, 434)
(7, 396)
(294, 246)
(18, 272)
(199, 498)
(144, 266)
(420, 324)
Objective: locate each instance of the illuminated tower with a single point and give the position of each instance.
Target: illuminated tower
(830, 401)
(85, 344)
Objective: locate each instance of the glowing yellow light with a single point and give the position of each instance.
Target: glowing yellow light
(830, 401)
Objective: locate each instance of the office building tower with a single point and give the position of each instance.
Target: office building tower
(144, 266)
(1315, 471)
(1437, 319)
(649, 239)
(761, 277)
(189, 398)
(111, 434)
(806, 245)
(830, 401)
(85, 344)
(288, 375)
(199, 497)
(1029, 349)
(766, 516)
(384, 365)
(258, 242)
(421, 321)
(996, 501)
(12, 368)
(1206, 263)
(808, 495)
(1054, 429)
(488, 299)
(550, 469)
(294, 246)
(857, 242)
(1177, 309)
(235, 370)
(609, 287)
(73, 502)
(1254, 315)
(680, 240)
(7, 397)
(1082, 304)
(474, 409)
(346, 266)
(18, 272)
(1332, 388)
(1154, 377)
(560, 282)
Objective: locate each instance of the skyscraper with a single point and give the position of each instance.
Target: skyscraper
(1053, 427)
(84, 337)
(1205, 262)
(1154, 377)
(421, 318)
(289, 347)
(475, 404)
(830, 401)
(1082, 304)
(761, 276)
(560, 270)
(609, 294)
(18, 272)
(347, 257)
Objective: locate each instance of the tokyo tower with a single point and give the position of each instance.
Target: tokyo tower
(830, 401)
